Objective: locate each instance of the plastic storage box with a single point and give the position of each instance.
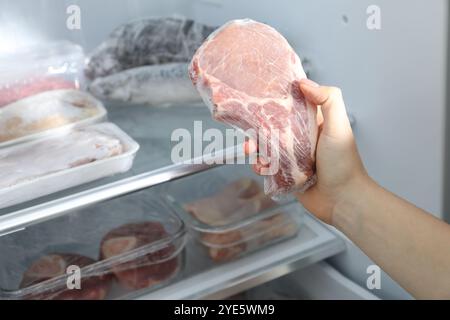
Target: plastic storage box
(41, 167)
(122, 247)
(231, 216)
(44, 67)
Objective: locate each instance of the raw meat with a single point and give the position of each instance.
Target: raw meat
(248, 75)
(232, 217)
(140, 271)
(239, 200)
(225, 246)
(147, 42)
(19, 164)
(94, 287)
(153, 85)
(14, 92)
(44, 111)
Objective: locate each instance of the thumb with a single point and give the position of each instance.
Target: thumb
(332, 105)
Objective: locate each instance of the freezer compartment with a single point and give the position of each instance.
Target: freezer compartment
(39, 68)
(121, 247)
(47, 113)
(50, 164)
(229, 215)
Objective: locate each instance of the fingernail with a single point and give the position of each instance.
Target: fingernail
(309, 83)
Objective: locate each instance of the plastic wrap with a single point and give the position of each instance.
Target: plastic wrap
(46, 165)
(232, 217)
(153, 85)
(248, 75)
(36, 115)
(121, 246)
(48, 66)
(147, 42)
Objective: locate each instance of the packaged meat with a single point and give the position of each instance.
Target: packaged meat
(146, 270)
(121, 248)
(44, 67)
(226, 245)
(231, 217)
(248, 75)
(60, 161)
(152, 85)
(54, 266)
(37, 115)
(13, 93)
(144, 42)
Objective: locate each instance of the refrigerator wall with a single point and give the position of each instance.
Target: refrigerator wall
(393, 79)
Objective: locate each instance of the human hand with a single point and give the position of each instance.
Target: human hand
(340, 171)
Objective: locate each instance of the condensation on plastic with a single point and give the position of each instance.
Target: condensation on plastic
(149, 41)
(82, 232)
(228, 213)
(39, 115)
(161, 85)
(37, 168)
(39, 68)
(248, 75)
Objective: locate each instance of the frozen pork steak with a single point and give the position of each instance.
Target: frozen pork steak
(248, 74)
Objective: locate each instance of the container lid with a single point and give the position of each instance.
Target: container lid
(50, 58)
(105, 234)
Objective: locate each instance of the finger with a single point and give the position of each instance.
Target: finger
(250, 147)
(257, 168)
(319, 116)
(332, 106)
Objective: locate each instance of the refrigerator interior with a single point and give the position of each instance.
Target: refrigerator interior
(383, 75)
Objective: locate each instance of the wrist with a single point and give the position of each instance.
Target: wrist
(347, 215)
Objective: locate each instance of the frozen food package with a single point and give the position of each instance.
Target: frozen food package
(60, 161)
(33, 116)
(44, 67)
(229, 215)
(248, 75)
(164, 84)
(148, 41)
(118, 248)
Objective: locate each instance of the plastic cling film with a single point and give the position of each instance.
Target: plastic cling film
(248, 75)
(45, 111)
(149, 41)
(19, 164)
(153, 85)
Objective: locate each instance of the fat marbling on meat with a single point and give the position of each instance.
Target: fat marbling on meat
(248, 74)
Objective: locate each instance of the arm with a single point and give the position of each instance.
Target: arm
(412, 246)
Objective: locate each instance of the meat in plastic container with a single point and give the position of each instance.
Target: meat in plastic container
(117, 249)
(44, 67)
(60, 161)
(229, 214)
(45, 113)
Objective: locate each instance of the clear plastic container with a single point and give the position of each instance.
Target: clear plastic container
(39, 68)
(122, 255)
(60, 161)
(45, 113)
(227, 212)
